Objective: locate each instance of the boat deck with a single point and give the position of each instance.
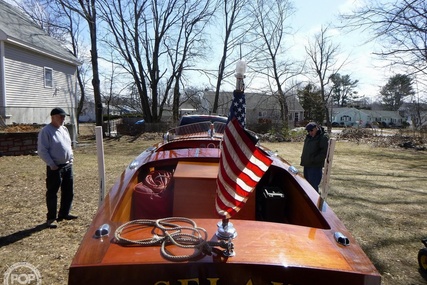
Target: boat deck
(281, 239)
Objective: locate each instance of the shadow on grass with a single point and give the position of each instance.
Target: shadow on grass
(382, 265)
(383, 197)
(134, 138)
(12, 238)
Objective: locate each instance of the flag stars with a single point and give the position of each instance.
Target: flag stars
(238, 108)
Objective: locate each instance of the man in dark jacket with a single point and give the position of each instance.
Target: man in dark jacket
(314, 153)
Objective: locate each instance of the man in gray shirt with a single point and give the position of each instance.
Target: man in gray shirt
(54, 148)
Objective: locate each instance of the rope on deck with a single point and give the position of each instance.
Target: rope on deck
(166, 231)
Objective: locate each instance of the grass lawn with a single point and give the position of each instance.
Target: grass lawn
(379, 193)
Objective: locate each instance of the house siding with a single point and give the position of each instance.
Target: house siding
(355, 117)
(259, 107)
(2, 87)
(27, 98)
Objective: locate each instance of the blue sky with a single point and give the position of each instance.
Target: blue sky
(310, 15)
(362, 65)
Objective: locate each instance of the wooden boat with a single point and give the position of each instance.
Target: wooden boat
(159, 225)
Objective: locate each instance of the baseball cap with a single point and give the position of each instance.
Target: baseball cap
(310, 126)
(58, 111)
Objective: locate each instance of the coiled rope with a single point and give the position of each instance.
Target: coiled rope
(172, 233)
(158, 180)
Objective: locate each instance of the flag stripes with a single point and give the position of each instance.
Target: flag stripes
(242, 165)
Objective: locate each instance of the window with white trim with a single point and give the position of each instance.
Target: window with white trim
(345, 118)
(48, 77)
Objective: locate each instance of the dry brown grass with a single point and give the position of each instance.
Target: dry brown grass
(379, 193)
(381, 196)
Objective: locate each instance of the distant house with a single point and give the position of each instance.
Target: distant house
(415, 114)
(36, 72)
(259, 107)
(87, 113)
(355, 117)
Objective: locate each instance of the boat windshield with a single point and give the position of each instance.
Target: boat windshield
(201, 129)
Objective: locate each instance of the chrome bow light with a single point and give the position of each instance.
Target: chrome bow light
(240, 75)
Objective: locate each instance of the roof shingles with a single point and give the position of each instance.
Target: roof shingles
(16, 28)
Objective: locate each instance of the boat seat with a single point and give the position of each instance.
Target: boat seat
(195, 192)
(152, 198)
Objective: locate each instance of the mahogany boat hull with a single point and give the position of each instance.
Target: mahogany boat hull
(296, 246)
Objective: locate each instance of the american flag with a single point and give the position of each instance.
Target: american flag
(242, 164)
(238, 108)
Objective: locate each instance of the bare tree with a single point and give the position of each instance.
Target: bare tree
(87, 10)
(418, 112)
(323, 60)
(194, 97)
(269, 32)
(400, 26)
(235, 28)
(154, 41)
(74, 30)
(109, 93)
(188, 44)
(47, 16)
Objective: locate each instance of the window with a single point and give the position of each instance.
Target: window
(48, 77)
(345, 118)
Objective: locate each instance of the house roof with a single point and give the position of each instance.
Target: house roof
(383, 114)
(256, 100)
(18, 29)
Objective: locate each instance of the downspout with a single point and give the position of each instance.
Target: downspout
(74, 109)
(3, 83)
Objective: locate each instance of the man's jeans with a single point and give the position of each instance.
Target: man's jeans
(55, 179)
(313, 175)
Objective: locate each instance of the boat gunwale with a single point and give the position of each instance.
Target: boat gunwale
(361, 266)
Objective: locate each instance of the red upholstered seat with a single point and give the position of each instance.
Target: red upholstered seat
(153, 198)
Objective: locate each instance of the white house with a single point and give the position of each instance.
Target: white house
(362, 118)
(260, 107)
(36, 72)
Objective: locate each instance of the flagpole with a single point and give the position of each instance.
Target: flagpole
(327, 169)
(226, 230)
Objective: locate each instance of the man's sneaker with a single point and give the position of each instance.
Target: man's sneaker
(67, 217)
(51, 224)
